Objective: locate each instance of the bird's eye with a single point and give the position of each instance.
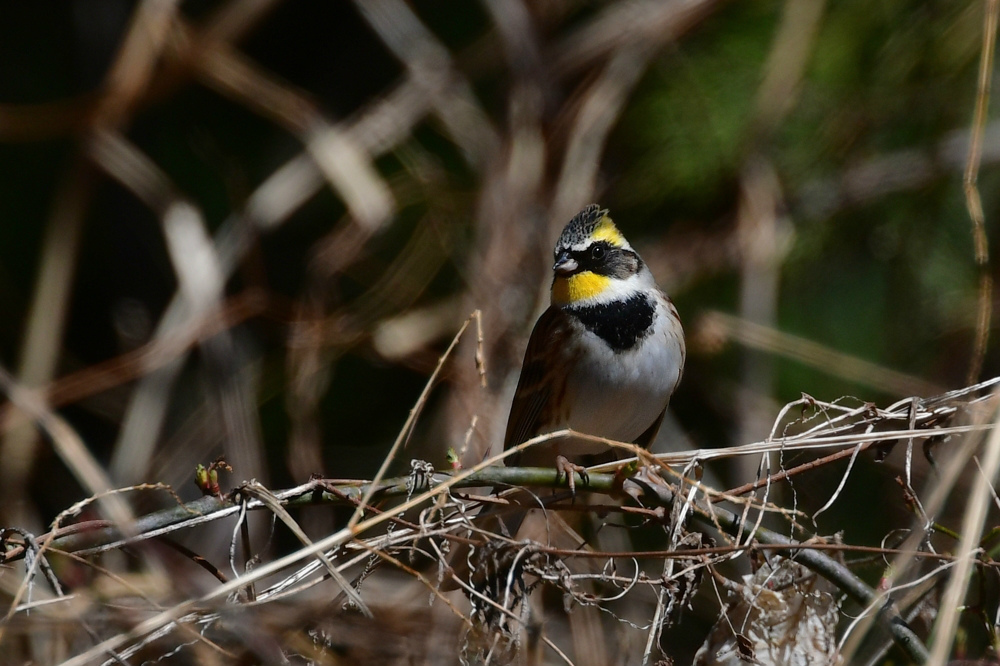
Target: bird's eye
(597, 252)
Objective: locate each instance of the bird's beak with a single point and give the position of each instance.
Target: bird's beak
(565, 264)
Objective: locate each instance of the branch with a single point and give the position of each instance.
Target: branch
(102, 536)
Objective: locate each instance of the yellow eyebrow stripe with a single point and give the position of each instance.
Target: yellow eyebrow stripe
(607, 231)
(579, 287)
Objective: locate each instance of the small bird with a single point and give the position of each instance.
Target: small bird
(604, 358)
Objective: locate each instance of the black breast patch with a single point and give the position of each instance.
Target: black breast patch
(621, 324)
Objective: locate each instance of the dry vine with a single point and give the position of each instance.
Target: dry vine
(499, 620)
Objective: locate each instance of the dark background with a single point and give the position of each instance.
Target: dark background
(796, 165)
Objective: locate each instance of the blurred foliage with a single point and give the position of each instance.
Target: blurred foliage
(891, 280)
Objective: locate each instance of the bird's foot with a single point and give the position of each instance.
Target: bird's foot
(564, 466)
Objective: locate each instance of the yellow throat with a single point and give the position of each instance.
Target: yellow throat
(585, 285)
(579, 287)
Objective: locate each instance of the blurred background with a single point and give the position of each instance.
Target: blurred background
(251, 227)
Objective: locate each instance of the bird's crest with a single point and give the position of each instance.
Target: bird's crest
(590, 224)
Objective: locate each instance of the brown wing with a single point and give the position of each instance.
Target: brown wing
(529, 412)
(537, 385)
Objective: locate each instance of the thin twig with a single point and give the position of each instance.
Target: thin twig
(973, 519)
(404, 433)
(972, 198)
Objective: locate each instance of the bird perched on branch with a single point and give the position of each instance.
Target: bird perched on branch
(604, 358)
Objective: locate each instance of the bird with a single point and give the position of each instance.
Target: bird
(604, 358)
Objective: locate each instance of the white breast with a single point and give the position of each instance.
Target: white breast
(619, 395)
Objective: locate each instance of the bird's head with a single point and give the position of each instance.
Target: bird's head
(594, 263)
